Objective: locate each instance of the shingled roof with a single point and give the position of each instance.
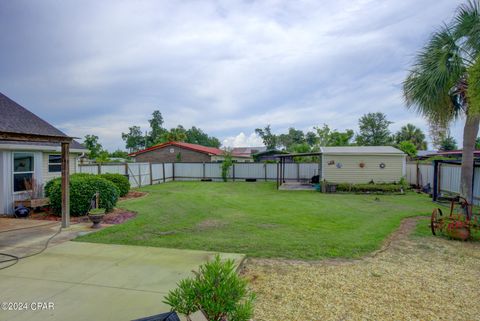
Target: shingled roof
(17, 119)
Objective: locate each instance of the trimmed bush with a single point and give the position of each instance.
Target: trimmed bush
(370, 188)
(121, 181)
(82, 189)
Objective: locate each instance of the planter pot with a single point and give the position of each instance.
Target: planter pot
(96, 219)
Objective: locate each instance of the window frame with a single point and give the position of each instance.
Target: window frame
(54, 164)
(32, 171)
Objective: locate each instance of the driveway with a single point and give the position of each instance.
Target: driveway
(87, 281)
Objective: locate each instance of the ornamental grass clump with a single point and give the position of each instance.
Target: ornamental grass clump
(216, 290)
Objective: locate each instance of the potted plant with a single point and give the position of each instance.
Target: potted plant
(96, 216)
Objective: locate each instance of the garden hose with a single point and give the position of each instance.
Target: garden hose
(14, 258)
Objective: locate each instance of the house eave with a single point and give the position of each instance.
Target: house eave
(38, 148)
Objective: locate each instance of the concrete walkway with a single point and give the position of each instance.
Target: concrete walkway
(88, 281)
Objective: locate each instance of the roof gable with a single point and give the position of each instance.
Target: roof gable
(194, 147)
(17, 119)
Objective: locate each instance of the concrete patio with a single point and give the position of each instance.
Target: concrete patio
(89, 281)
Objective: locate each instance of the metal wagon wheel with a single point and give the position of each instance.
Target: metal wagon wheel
(436, 221)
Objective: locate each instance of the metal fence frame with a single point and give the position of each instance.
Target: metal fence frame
(141, 174)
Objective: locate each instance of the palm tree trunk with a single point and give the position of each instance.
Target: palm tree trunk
(470, 132)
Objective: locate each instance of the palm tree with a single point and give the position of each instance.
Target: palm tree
(440, 87)
(412, 134)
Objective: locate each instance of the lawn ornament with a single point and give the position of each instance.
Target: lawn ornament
(460, 224)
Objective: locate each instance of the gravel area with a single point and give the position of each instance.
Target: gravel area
(412, 278)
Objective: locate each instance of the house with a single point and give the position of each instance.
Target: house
(30, 153)
(180, 152)
(357, 164)
(248, 151)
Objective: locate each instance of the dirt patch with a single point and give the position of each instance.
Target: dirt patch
(133, 194)
(210, 224)
(410, 278)
(268, 226)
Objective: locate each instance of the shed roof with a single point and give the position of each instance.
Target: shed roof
(361, 150)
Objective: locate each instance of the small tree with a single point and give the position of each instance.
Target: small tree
(226, 164)
(374, 130)
(448, 143)
(408, 148)
(216, 290)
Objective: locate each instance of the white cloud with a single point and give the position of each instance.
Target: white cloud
(242, 140)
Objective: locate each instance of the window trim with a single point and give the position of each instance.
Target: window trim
(49, 163)
(24, 172)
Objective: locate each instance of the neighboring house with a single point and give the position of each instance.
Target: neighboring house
(27, 163)
(362, 164)
(180, 152)
(248, 151)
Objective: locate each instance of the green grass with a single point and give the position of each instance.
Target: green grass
(258, 220)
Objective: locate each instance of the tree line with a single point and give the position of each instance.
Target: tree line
(136, 140)
(373, 131)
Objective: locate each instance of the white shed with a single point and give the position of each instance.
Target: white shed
(362, 164)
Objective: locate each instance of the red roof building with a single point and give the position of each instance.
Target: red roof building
(181, 152)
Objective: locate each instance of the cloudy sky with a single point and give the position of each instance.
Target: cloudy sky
(98, 67)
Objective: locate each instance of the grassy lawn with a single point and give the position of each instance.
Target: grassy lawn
(258, 220)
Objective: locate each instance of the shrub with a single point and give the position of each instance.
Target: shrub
(121, 181)
(82, 189)
(370, 188)
(216, 290)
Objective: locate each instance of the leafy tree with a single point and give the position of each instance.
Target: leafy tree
(292, 138)
(374, 130)
(413, 134)
(134, 140)
(408, 148)
(328, 137)
(443, 82)
(226, 164)
(93, 146)
(448, 143)
(197, 136)
(311, 139)
(269, 139)
(177, 134)
(156, 128)
(119, 154)
(102, 157)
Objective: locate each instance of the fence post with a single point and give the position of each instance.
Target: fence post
(435, 180)
(265, 167)
(173, 171)
(139, 175)
(99, 169)
(203, 170)
(151, 174)
(298, 172)
(277, 176)
(126, 169)
(233, 166)
(163, 170)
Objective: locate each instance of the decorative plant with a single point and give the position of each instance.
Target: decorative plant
(226, 164)
(216, 290)
(96, 211)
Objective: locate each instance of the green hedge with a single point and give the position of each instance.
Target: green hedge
(82, 189)
(371, 188)
(121, 181)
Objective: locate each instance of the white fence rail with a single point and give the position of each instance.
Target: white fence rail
(448, 178)
(141, 174)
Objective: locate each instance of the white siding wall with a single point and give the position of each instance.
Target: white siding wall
(351, 172)
(47, 175)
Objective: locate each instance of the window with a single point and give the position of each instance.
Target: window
(22, 171)
(54, 163)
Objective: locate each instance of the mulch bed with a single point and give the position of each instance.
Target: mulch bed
(117, 216)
